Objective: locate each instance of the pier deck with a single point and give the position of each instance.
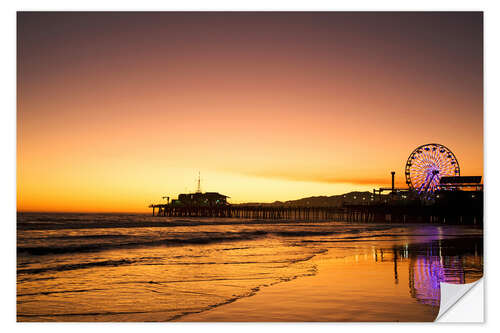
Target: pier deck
(348, 213)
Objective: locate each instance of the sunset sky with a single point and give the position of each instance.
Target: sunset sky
(116, 110)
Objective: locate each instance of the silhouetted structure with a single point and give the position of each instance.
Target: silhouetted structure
(404, 211)
(460, 183)
(198, 199)
(392, 174)
(433, 197)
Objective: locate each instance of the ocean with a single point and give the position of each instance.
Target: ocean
(135, 267)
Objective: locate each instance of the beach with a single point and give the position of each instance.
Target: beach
(352, 288)
(134, 267)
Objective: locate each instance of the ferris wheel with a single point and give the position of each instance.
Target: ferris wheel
(427, 164)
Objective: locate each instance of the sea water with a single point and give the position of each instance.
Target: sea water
(133, 267)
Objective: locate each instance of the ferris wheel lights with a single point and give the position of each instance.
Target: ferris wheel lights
(427, 164)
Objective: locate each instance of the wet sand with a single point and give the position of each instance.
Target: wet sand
(368, 286)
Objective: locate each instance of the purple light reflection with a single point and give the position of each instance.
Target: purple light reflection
(426, 273)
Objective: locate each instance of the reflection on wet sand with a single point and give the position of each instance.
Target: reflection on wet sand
(365, 286)
(443, 264)
(432, 263)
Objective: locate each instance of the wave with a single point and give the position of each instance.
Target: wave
(168, 241)
(69, 267)
(83, 237)
(125, 262)
(115, 221)
(300, 233)
(345, 233)
(96, 222)
(107, 313)
(59, 292)
(223, 237)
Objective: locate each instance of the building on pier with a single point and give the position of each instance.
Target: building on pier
(207, 199)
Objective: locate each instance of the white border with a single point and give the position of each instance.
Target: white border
(8, 128)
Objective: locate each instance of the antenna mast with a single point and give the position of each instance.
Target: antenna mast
(199, 183)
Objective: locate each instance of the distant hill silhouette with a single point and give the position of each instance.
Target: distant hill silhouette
(324, 201)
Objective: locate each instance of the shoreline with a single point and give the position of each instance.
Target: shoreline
(306, 299)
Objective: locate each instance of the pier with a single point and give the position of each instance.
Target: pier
(375, 213)
(266, 212)
(443, 200)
